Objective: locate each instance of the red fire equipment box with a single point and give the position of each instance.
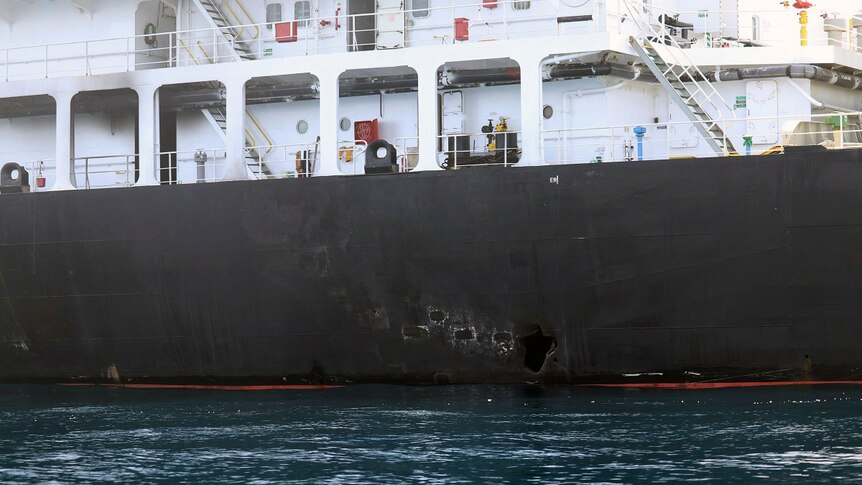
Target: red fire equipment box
(366, 131)
(462, 28)
(489, 3)
(286, 31)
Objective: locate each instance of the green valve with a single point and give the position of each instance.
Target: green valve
(747, 142)
(836, 122)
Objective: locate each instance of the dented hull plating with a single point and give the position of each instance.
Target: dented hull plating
(737, 268)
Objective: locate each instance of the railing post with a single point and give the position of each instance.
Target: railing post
(46, 61)
(560, 147)
(667, 142)
(840, 131)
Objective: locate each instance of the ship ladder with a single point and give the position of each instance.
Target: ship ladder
(231, 21)
(254, 159)
(684, 82)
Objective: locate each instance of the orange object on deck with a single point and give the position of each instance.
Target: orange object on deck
(462, 28)
(286, 31)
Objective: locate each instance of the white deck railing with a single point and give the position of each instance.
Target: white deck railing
(663, 141)
(605, 144)
(212, 45)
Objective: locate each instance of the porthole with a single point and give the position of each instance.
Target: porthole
(547, 111)
(345, 124)
(302, 127)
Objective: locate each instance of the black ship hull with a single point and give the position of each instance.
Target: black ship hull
(734, 268)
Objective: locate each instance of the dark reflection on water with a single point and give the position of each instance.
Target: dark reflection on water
(458, 434)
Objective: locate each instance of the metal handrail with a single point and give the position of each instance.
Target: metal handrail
(611, 136)
(679, 58)
(129, 53)
(259, 129)
(288, 158)
(357, 148)
(401, 142)
(248, 16)
(506, 150)
(87, 54)
(128, 160)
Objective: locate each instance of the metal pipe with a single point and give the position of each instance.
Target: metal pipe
(818, 104)
(793, 71)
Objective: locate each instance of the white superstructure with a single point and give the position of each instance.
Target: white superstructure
(106, 93)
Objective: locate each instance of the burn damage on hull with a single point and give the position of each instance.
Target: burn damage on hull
(681, 270)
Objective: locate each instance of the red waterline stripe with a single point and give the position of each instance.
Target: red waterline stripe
(721, 385)
(206, 387)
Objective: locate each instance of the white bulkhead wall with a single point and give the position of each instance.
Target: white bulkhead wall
(28, 138)
(50, 22)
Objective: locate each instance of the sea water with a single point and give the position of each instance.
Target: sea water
(447, 434)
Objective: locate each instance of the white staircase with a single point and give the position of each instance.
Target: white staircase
(253, 159)
(240, 39)
(234, 26)
(686, 85)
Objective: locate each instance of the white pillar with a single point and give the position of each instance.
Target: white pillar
(427, 112)
(65, 177)
(531, 111)
(235, 168)
(327, 164)
(148, 110)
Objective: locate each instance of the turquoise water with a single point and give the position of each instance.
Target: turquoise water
(456, 434)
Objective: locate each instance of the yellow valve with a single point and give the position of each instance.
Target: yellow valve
(503, 125)
(345, 154)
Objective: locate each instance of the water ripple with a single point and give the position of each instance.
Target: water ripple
(455, 434)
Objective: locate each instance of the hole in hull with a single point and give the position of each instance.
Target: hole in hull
(502, 337)
(536, 348)
(437, 316)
